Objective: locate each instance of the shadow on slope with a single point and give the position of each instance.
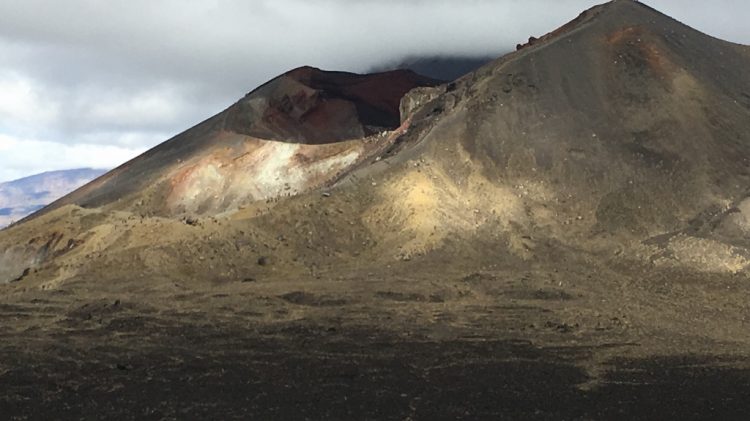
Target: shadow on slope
(313, 372)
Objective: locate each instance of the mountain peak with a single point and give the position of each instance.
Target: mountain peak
(609, 17)
(303, 72)
(635, 6)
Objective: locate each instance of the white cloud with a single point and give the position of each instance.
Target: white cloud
(21, 157)
(21, 103)
(152, 109)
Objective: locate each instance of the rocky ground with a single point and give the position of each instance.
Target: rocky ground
(572, 342)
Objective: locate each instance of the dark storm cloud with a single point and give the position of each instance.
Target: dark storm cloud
(101, 81)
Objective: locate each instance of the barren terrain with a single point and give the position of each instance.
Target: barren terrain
(561, 234)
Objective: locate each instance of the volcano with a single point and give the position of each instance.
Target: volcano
(562, 233)
(293, 133)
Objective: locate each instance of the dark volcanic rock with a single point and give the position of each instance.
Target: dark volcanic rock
(630, 119)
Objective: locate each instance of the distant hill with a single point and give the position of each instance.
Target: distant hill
(21, 197)
(439, 67)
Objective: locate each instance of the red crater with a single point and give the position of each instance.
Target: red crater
(308, 105)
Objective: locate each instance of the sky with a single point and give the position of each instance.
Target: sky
(93, 83)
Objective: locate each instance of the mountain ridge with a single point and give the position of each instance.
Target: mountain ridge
(642, 103)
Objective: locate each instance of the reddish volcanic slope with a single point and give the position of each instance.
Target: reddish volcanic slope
(293, 133)
(306, 105)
